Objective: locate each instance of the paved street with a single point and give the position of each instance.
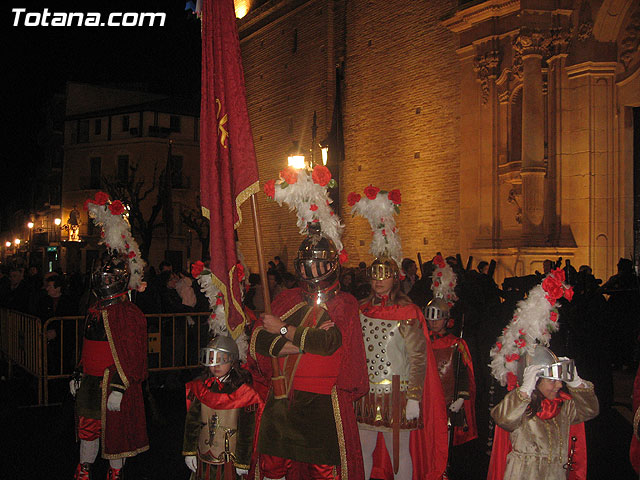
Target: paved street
(38, 442)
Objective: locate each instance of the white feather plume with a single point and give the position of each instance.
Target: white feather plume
(311, 202)
(533, 322)
(116, 235)
(380, 212)
(443, 280)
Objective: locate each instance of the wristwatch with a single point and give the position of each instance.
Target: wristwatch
(283, 330)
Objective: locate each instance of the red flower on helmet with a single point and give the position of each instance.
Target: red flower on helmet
(353, 198)
(240, 271)
(512, 381)
(343, 256)
(313, 207)
(219, 301)
(100, 198)
(568, 293)
(116, 207)
(371, 192)
(554, 316)
(499, 346)
(289, 175)
(196, 269)
(521, 343)
(270, 188)
(131, 254)
(395, 197)
(321, 175)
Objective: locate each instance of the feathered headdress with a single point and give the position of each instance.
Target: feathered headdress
(306, 192)
(379, 207)
(218, 318)
(116, 234)
(443, 280)
(533, 322)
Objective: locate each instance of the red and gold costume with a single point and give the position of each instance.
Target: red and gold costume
(114, 357)
(313, 431)
(445, 349)
(428, 438)
(217, 414)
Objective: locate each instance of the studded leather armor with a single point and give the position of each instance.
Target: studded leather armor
(392, 347)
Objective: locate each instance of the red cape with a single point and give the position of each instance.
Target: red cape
(502, 446)
(352, 381)
(459, 435)
(242, 397)
(428, 445)
(124, 433)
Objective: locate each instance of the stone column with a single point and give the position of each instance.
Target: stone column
(531, 46)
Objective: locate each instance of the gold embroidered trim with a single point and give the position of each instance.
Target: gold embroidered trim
(636, 421)
(293, 310)
(341, 443)
(189, 453)
(206, 213)
(303, 337)
(273, 344)
(240, 328)
(522, 396)
(252, 343)
(242, 197)
(130, 454)
(241, 465)
(114, 353)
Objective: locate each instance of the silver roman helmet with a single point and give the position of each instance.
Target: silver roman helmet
(111, 276)
(220, 350)
(554, 368)
(437, 309)
(317, 263)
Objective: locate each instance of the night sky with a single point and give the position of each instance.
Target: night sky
(38, 61)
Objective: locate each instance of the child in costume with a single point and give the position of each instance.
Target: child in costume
(539, 431)
(449, 351)
(545, 419)
(221, 415)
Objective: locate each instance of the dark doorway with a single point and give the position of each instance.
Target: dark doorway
(636, 188)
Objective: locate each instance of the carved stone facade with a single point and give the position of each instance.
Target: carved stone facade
(506, 126)
(555, 130)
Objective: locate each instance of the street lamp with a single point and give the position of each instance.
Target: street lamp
(324, 148)
(30, 225)
(7, 244)
(296, 158)
(16, 242)
(57, 221)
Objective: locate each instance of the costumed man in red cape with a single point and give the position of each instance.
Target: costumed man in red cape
(539, 433)
(449, 350)
(308, 428)
(404, 414)
(113, 363)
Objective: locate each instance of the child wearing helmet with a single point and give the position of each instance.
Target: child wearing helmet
(541, 429)
(458, 382)
(221, 413)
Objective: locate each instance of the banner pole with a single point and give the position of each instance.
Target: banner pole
(278, 385)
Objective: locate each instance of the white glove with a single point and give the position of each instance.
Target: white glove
(113, 402)
(577, 382)
(241, 471)
(457, 405)
(413, 409)
(192, 462)
(74, 385)
(530, 378)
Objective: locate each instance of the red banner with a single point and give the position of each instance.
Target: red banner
(228, 167)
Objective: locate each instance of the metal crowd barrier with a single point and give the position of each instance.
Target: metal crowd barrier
(174, 341)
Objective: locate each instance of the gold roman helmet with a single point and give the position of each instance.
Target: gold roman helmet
(383, 268)
(554, 368)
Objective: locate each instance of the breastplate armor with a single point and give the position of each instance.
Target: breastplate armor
(218, 434)
(386, 354)
(94, 326)
(444, 361)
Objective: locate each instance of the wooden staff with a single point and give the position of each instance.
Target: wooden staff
(277, 380)
(420, 265)
(395, 421)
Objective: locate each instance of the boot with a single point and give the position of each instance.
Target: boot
(82, 471)
(114, 474)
